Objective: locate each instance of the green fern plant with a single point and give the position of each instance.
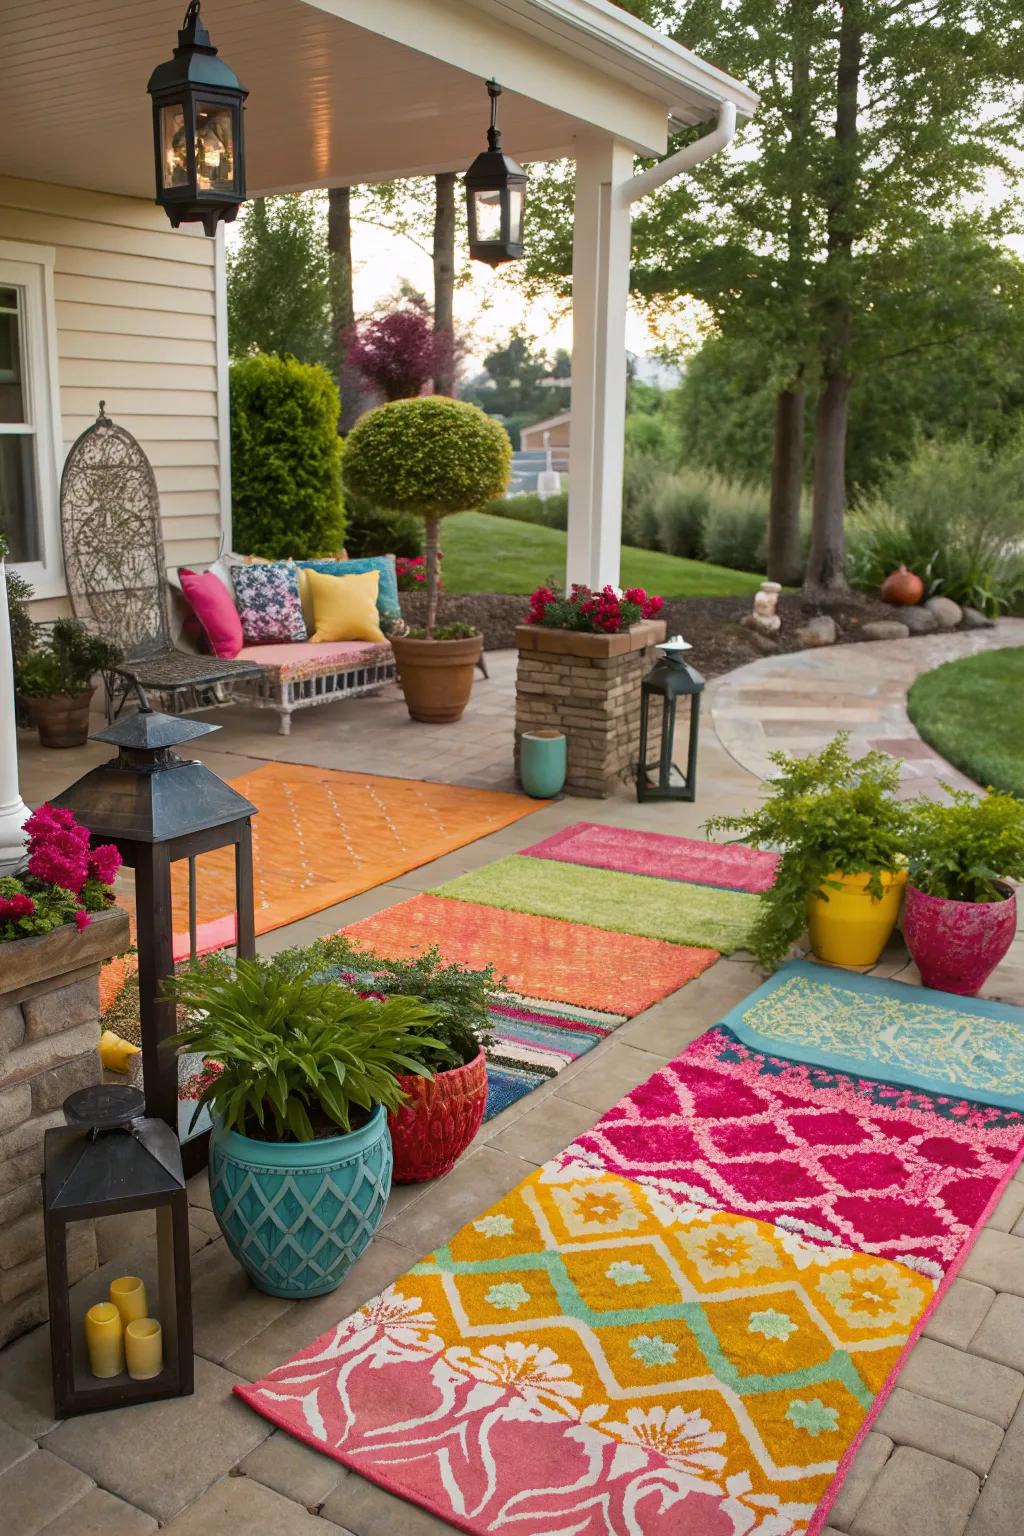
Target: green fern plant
(296, 1055)
(827, 813)
(961, 850)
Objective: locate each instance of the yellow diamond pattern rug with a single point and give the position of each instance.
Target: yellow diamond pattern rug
(684, 1324)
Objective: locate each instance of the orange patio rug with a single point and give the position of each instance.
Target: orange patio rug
(323, 835)
(538, 957)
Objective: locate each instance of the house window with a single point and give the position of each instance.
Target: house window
(29, 441)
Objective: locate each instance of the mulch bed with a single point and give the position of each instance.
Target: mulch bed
(711, 624)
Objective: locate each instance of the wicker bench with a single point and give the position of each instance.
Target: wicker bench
(303, 674)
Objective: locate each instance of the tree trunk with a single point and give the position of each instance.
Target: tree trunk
(431, 546)
(339, 244)
(784, 562)
(444, 282)
(826, 565)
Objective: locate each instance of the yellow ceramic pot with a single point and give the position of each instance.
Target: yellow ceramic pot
(853, 927)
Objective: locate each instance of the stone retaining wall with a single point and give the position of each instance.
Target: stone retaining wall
(589, 687)
(49, 1033)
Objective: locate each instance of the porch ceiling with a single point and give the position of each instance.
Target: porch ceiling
(342, 91)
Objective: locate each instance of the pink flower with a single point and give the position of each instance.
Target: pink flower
(82, 919)
(104, 863)
(18, 905)
(53, 867)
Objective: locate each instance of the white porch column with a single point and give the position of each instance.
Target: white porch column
(13, 810)
(600, 289)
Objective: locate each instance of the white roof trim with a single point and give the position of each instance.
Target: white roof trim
(646, 57)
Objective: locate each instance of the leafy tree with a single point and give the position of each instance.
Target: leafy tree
(399, 352)
(878, 121)
(285, 458)
(280, 282)
(515, 384)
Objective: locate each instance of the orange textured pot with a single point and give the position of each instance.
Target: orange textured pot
(62, 719)
(436, 676)
(902, 587)
(438, 1120)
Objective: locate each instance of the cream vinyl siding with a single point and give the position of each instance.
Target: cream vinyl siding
(136, 307)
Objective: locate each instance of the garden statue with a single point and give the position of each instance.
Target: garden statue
(764, 617)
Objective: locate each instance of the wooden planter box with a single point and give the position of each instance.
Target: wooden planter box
(589, 687)
(49, 1033)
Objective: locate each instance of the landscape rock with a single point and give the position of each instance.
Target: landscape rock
(819, 631)
(947, 613)
(919, 620)
(884, 629)
(973, 618)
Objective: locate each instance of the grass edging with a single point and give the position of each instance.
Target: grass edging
(972, 711)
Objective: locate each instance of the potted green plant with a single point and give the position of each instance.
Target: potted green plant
(302, 1074)
(959, 914)
(432, 456)
(55, 680)
(441, 1113)
(841, 834)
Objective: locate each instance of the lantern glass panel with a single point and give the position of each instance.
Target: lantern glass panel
(174, 146)
(488, 214)
(215, 147)
(515, 215)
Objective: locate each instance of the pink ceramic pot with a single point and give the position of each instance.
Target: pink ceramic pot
(956, 945)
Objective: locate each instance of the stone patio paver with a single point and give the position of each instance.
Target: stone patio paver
(13, 1447)
(997, 1259)
(921, 1422)
(874, 1453)
(960, 1313)
(99, 1513)
(363, 1509)
(38, 1489)
(542, 1132)
(1001, 1335)
(607, 1074)
(982, 1387)
(1000, 1508)
(917, 1495)
(228, 1310)
(478, 1179)
(127, 1450)
(293, 1469)
(238, 1506)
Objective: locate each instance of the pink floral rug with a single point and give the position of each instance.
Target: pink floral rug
(729, 865)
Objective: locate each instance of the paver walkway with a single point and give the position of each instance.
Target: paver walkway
(796, 703)
(947, 1454)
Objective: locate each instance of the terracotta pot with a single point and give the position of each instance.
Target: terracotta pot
(438, 1120)
(437, 675)
(902, 587)
(956, 945)
(62, 719)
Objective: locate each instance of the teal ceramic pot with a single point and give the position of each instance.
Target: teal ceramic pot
(297, 1214)
(542, 763)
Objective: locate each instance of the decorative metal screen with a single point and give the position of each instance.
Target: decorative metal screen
(113, 546)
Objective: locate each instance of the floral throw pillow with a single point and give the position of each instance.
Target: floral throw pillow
(268, 603)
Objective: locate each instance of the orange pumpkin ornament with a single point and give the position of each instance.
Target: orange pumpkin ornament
(903, 587)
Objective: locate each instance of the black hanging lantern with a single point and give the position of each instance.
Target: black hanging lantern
(198, 138)
(157, 808)
(495, 197)
(668, 680)
(108, 1161)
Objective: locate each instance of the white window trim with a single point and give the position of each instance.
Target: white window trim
(46, 575)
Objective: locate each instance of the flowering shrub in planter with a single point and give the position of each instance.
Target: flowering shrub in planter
(607, 612)
(64, 881)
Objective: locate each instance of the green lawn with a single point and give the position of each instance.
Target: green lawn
(972, 711)
(496, 554)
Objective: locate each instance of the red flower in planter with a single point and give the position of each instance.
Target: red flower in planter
(104, 863)
(18, 905)
(603, 613)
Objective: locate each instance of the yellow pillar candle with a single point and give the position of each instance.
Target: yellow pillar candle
(104, 1337)
(143, 1348)
(128, 1293)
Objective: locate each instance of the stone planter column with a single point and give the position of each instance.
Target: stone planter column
(49, 1034)
(589, 687)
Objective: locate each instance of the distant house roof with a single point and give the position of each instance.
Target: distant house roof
(547, 423)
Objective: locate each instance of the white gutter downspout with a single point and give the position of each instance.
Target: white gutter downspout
(683, 159)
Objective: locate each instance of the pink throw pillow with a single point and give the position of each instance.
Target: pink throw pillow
(211, 602)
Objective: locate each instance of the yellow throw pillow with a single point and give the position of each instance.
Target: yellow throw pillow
(344, 607)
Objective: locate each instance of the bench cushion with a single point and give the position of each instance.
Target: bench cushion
(307, 659)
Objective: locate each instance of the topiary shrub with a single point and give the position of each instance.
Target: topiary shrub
(285, 459)
(432, 456)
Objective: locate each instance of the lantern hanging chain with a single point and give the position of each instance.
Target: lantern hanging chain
(494, 132)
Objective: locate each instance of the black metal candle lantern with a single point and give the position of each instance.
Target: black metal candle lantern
(198, 136)
(108, 1161)
(157, 808)
(669, 679)
(495, 197)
